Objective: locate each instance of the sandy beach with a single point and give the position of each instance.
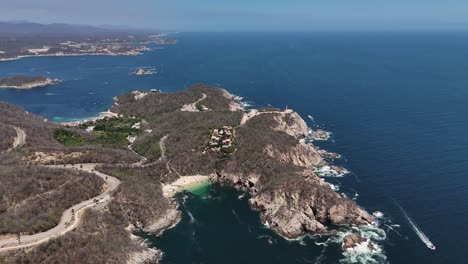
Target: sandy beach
(184, 183)
(102, 115)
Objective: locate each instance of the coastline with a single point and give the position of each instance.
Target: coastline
(129, 53)
(78, 122)
(186, 183)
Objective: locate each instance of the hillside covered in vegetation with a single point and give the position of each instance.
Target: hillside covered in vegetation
(155, 139)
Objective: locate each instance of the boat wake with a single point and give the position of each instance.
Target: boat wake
(415, 228)
(192, 219)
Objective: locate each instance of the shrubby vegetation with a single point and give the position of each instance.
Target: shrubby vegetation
(139, 197)
(100, 238)
(109, 132)
(8, 135)
(68, 138)
(149, 146)
(122, 125)
(39, 133)
(34, 198)
(155, 104)
(252, 138)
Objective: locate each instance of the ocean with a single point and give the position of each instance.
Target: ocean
(396, 104)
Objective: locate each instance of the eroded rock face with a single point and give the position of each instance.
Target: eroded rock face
(149, 255)
(170, 218)
(292, 124)
(308, 206)
(301, 155)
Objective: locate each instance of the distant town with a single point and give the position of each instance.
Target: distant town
(73, 41)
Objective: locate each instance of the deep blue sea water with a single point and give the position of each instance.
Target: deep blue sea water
(396, 103)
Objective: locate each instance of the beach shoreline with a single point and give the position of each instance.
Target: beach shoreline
(185, 183)
(102, 115)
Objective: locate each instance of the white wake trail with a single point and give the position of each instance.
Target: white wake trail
(416, 229)
(192, 219)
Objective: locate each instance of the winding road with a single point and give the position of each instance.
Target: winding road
(70, 217)
(20, 138)
(193, 106)
(254, 112)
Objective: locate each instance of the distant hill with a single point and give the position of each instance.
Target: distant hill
(35, 28)
(21, 39)
(29, 28)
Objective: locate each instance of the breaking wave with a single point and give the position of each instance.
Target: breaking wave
(327, 171)
(369, 251)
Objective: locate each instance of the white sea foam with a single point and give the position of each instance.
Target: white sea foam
(327, 171)
(378, 214)
(240, 197)
(362, 253)
(334, 187)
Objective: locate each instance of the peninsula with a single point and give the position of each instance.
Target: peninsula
(21, 82)
(124, 170)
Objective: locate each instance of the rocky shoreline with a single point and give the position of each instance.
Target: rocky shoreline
(271, 159)
(305, 205)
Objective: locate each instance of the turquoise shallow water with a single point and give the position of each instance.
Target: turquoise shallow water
(395, 102)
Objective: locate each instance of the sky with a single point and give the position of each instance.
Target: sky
(245, 15)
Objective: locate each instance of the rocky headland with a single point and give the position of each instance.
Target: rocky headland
(263, 153)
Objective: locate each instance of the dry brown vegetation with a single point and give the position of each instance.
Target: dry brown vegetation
(101, 238)
(34, 198)
(39, 133)
(139, 197)
(7, 138)
(159, 103)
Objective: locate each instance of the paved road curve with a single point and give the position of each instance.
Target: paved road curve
(70, 218)
(20, 138)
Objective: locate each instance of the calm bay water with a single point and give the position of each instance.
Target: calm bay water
(396, 103)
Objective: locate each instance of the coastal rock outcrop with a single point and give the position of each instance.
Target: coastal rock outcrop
(321, 134)
(301, 154)
(292, 124)
(351, 241)
(296, 208)
(170, 218)
(148, 255)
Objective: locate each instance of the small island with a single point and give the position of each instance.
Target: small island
(21, 82)
(142, 71)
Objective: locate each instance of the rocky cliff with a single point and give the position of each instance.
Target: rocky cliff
(291, 199)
